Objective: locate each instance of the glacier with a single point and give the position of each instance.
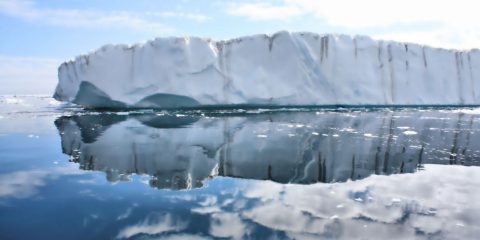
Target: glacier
(282, 69)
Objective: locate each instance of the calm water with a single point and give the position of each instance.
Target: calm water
(245, 174)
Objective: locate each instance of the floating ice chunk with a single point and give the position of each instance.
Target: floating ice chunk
(13, 100)
(396, 200)
(409, 132)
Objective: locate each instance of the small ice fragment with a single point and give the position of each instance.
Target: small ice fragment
(339, 206)
(315, 133)
(54, 102)
(410, 132)
(368, 135)
(180, 115)
(13, 100)
(334, 217)
(291, 135)
(299, 125)
(290, 126)
(55, 162)
(325, 135)
(261, 136)
(431, 211)
(396, 200)
(358, 199)
(404, 128)
(335, 135)
(460, 224)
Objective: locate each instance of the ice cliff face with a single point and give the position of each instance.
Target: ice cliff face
(281, 69)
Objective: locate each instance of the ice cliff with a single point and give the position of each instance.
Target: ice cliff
(280, 69)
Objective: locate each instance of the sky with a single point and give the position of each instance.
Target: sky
(37, 35)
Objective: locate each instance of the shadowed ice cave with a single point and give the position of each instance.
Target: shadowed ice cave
(180, 151)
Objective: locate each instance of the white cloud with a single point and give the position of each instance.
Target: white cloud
(445, 37)
(264, 11)
(367, 13)
(182, 15)
(28, 75)
(27, 10)
(457, 22)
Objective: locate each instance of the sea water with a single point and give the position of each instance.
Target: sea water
(304, 173)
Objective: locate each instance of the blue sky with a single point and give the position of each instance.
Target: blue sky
(39, 35)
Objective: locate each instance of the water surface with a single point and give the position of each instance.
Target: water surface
(68, 173)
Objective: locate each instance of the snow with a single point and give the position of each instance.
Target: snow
(280, 69)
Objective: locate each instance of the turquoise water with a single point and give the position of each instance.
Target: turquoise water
(310, 173)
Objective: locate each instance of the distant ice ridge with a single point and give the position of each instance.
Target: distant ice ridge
(284, 69)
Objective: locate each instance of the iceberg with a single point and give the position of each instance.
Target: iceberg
(283, 69)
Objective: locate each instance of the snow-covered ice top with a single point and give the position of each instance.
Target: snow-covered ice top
(281, 69)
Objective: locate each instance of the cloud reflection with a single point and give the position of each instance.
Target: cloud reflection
(405, 206)
(155, 223)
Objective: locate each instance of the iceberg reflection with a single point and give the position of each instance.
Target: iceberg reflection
(180, 151)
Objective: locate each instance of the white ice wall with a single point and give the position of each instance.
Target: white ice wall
(281, 69)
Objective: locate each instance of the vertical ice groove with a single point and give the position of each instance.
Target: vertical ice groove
(392, 73)
(424, 57)
(406, 57)
(322, 48)
(382, 71)
(459, 77)
(472, 80)
(356, 47)
(221, 63)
